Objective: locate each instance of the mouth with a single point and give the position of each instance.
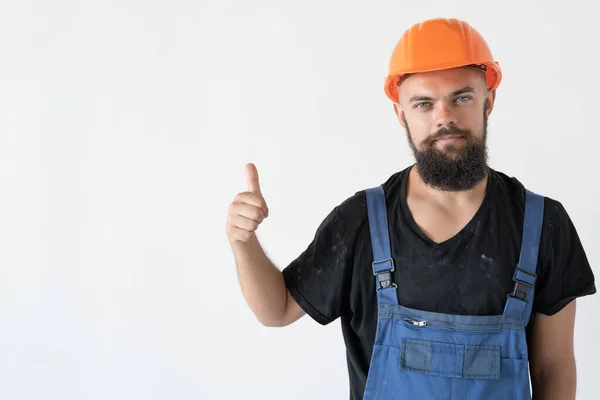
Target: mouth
(445, 138)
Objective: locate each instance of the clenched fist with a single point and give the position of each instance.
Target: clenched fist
(247, 210)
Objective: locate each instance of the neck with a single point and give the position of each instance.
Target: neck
(446, 199)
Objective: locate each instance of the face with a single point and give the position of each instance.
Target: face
(445, 117)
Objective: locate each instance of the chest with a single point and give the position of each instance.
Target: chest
(441, 223)
(470, 272)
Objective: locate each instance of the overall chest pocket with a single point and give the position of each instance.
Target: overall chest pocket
(450, 359)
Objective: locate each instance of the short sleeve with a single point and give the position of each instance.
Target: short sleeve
(565, 271)
(318, 279)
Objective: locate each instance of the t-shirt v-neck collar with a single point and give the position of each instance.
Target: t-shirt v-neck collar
(457, 237)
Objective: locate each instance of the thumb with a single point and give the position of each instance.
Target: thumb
(252, 179)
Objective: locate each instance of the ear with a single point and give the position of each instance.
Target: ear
(400, 114)
(490, 100)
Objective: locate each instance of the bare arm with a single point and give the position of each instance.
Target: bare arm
(261, 281)
(263, 286)
(552, 359)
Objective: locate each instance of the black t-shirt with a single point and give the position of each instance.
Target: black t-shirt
(471, 273)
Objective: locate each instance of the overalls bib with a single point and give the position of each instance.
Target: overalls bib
(428, 355)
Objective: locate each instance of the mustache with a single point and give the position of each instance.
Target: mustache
(448, 131)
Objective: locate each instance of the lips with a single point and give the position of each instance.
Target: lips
(447, 137)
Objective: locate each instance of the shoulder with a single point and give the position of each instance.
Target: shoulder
(559, 237)
(557, 226)
(347, 220)
(353, 209)
(513, 189)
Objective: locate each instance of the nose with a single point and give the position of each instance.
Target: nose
(445, 117)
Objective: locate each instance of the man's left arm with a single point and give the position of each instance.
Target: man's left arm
(564, 275)
(552, 355)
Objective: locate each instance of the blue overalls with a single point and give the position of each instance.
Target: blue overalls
(428, 355)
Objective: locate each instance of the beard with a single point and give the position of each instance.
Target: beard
(460, 172)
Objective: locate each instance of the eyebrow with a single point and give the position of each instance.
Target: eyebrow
(466, 89)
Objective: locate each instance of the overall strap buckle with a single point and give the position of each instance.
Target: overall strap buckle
(524, 281)
(383, 274)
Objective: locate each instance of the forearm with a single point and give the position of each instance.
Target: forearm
(555, 383)
(261, 282)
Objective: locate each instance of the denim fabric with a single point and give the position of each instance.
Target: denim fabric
(427, 355)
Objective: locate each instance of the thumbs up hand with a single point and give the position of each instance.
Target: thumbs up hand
(252, 179)
(248, 209)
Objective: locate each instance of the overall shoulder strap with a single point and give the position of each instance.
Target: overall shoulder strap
(383, 264)
(520, 302)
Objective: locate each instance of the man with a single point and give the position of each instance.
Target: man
(451, 279)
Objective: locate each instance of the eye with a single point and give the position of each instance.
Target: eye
(463, 99)
(423, 104)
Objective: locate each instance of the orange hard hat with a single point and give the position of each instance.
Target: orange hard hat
(437, 44)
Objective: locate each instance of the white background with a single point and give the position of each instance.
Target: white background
(124, 129)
